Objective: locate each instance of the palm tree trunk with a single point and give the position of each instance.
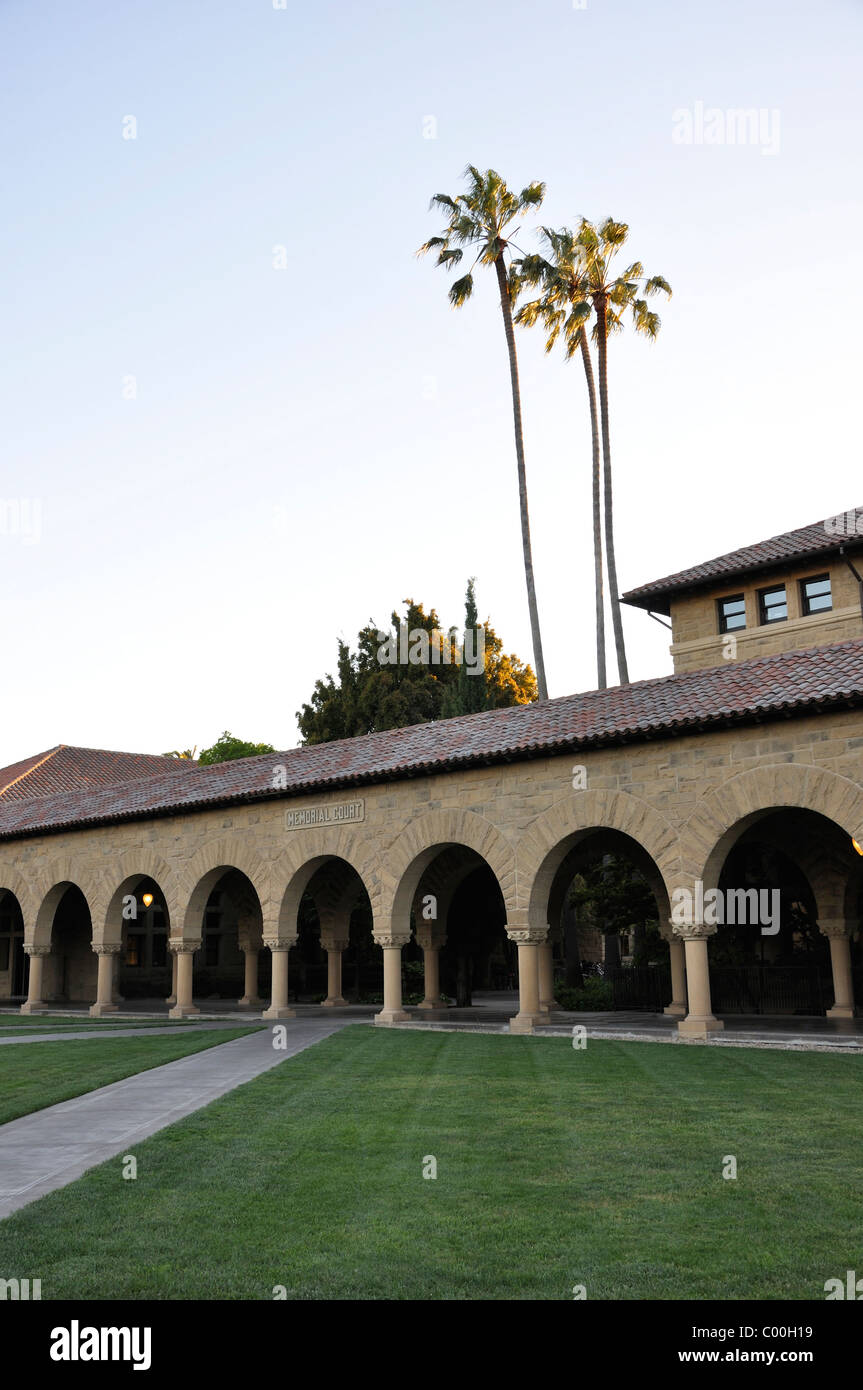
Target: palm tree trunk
(601, 679)
(602, 330)
(506, 310)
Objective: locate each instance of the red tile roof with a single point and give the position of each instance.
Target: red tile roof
(818, 540)
(768, 688)
(69, 769)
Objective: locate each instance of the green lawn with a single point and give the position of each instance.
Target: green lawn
(55, 1023)
(556, 1167)
(41, 1074)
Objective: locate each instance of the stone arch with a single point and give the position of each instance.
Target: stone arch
(126, 873)
(49, 895)
(421, 841)
(203, 872)
(722, 814)
(21, 889)
(303, 857)
(552, 836)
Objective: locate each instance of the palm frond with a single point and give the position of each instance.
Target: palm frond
(461, 291)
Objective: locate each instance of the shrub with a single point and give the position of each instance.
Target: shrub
(595, 994)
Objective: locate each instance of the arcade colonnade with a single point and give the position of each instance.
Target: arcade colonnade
(410, 875)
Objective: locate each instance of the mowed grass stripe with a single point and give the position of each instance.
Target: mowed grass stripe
(45, 1073)
(555, 1167)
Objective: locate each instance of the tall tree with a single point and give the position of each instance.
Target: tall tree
(610, 294)
(564, 307)
(479, 219)
(469, 695)
(377, 688)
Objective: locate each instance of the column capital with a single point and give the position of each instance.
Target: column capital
(391, 940)
(281, 943)
(527, 936)
(835, 928)
(431, 936)
(182, 948)
(107, 948)
(694, 931)
(334, 943)
(31, 950)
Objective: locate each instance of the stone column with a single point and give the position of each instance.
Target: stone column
(184, 952)
(279, 1002)
(392, 1011)
(107, 954)
(699, 1021)
(34, 1002)
(431, 938)
(250, 998)
(529, 1013)
(545, 959)
(676, 956)
(172, 997)
(838, 933)
(334, 946)
(116, 996)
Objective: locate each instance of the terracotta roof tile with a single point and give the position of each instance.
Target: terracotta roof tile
(66, 768)
(816, 540)
(767, 688)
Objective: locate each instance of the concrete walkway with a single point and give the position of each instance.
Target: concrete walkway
(53, 1147)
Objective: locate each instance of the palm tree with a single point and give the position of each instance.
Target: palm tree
(479, 218)
(610, 295)
(564, 306)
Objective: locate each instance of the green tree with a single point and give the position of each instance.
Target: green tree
(610, 294)
(565, 307)
(479, 219)
(372, 692)
(227, 747)
(469, 693)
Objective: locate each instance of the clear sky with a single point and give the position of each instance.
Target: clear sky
(309, 446)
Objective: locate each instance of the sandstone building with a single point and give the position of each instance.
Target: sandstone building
(755, 742)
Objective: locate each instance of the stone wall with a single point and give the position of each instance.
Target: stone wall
(697, 641)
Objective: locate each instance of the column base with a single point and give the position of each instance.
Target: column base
(33, 1006)
(675, 1010)
(525, 1023)
(392, 1016)
(432, 1004)
(98, 1010)
(171, 999)
(337, 1003)
(699, 1027)
(279, 1013)
(183, 1011)
(551, 1007)
(247, 1003)
(842, 1011)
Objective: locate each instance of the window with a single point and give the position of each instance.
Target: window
(732, 613)
(773, 604)
(135, 949)
(815, 595)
